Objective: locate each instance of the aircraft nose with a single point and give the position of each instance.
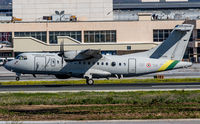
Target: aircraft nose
(8, 66)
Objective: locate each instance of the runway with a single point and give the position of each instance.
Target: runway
(102, 87)
(193, 71)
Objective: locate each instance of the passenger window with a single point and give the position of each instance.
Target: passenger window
(57, 62)
(88, 63)
(120, 64)
(124, 64)
(106, 63)
(79, 62)
(84, 63)
(53, 62)
(113, 64)
(97, 63)
(102, 63)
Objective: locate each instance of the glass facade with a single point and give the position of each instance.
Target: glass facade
(161, 35)
(73, 34)
(6, 36)
(198, 34)
(38, 35)
(99, 36)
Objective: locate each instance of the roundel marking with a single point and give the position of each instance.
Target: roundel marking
(148, 65)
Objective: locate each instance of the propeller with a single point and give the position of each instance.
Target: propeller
(5, 61)
(61, 53)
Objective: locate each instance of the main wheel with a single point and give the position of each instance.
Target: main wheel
(17, 78)
(89, 81)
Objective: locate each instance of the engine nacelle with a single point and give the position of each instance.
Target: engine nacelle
(74, 56)
(63, 76)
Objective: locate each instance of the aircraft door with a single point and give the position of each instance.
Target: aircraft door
(40, 64)
(132, 66)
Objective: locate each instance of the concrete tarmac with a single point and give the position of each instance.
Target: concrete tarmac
(101, 87)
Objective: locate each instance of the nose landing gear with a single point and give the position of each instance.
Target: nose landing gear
(18, 76)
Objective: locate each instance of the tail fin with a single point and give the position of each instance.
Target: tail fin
(174, 46)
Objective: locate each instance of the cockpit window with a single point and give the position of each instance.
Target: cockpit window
(21, 57)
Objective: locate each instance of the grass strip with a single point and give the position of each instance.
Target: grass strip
(100, 105)
(173, 80)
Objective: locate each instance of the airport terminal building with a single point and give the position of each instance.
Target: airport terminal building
(115, 28)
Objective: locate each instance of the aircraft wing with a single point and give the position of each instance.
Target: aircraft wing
(82, 55)
(91, 53)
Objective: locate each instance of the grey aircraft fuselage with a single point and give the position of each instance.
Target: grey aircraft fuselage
(107, 66)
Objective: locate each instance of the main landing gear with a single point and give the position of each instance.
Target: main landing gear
(89, 81)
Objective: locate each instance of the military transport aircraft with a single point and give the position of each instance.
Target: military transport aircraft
(91, 64)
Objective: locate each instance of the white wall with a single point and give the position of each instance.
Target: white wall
(87, 10)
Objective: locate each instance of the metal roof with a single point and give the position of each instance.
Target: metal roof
(159, 5)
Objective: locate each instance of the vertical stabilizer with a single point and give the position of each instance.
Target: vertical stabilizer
(174, 46)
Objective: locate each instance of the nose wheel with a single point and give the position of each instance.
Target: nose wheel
(18, 76)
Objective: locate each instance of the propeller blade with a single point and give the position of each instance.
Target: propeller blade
(62, 47)
(5, 61)
(61, 53)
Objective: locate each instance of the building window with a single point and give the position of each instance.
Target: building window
(161, 35)
(99, 36)
(54, 34)
(191, 37)
(198, 34)
(6, 36)
(128, 47)
(38, 35)
(6, 54)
